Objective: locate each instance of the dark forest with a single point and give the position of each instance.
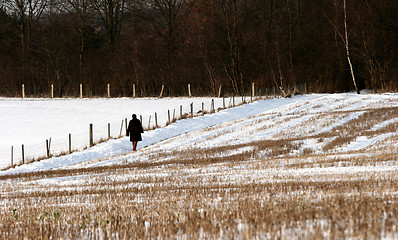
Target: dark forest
(324, 45)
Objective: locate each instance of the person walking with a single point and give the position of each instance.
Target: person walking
(134, 130)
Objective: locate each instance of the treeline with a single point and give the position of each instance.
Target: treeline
(326, 45)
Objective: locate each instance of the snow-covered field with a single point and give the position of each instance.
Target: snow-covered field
(308, 115)
(32, 121)
(316, 166)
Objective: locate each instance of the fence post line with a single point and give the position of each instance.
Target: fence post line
(156, 120)
(180, 111)
(70, 143)
(23, 90)
(12, 156)
(168, 112)
(91, 135)
(191, 109)
(149, 122)
(203, 108)
(125, 123)
(52, 90)
(189, 90)
(133, 90)
(223, 102)
(23, 154)
(108, 90)
(81, 90)
(109, 130)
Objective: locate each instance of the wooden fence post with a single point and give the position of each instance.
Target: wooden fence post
(180, 111)
(223, 102)
(108, 90)
(191, 109)
(203, 108)
(23, 90)
(251, 99)
(52, 90)
(70, 143)
(47, 153)
(212, 106)
(125, 123)
(161, 92)
(219, 91)
(189, 90)
(149, 122)
(109, 130)
(133, 90)
(12, 156)
(121, 128)
(168, 112)
(156, 120)
(91, 135)
(48, 146)
(81, 90)
(23, 154)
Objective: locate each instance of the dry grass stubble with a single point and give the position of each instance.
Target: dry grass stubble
(264, 189)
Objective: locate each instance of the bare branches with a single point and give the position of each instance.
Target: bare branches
(344, 38)
(329, 46)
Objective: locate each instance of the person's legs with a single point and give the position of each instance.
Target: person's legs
(134, 145)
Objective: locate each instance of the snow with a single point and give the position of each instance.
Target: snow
(363, 142)
(34, 120)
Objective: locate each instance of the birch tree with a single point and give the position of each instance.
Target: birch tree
(346, 43)
(345, 38)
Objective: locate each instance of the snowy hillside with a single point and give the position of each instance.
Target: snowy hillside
(315, 124)
(320, 166)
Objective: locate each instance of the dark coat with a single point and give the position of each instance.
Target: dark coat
(134, 130)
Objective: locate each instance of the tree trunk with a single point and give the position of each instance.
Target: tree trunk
(347, 47)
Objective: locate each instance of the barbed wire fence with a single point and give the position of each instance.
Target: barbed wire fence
(78, 141)
(108, 91)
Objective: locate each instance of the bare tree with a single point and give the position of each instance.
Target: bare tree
(80, 9)
(347, 46)
(168, 22)
(233, 67)
(27, 12)
(345, 39)
(111, 13)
